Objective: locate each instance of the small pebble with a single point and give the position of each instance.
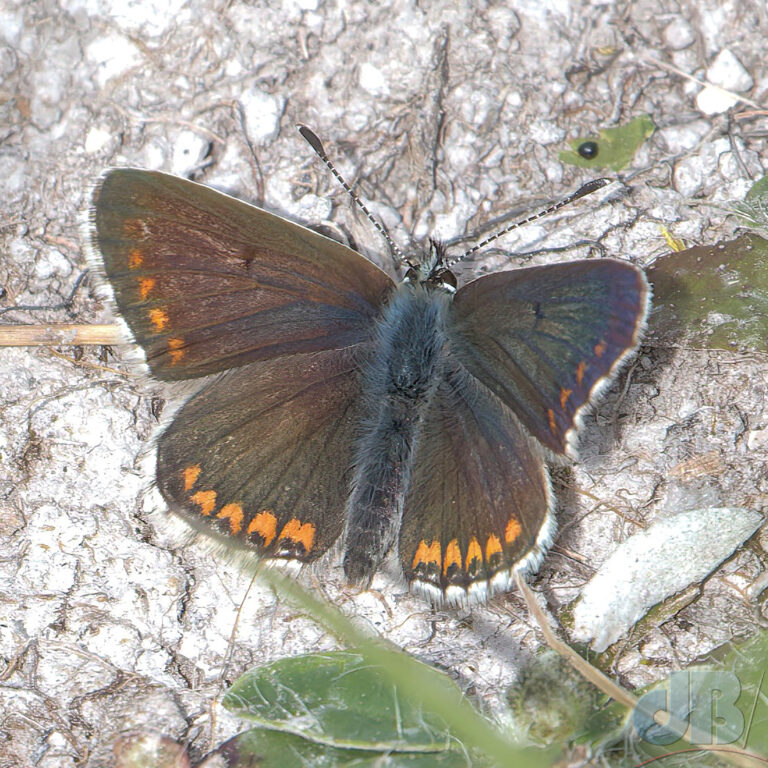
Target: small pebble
(678, 35)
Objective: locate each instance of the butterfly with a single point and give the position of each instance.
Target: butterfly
(408, 420)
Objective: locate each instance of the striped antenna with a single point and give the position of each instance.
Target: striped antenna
(586, 189)
(311, 138)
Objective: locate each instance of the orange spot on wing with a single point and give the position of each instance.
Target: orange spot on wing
(452, 555)
(600, 348)
(512, 531)
(158, 318)
(135, 259)
(190, 476)
(552, 424)
(233, 513)
(474, 552)
(265, 525)
(176, 351)
(145, 286)
(580, 370)
(428, 554)
(206, 500)
(564, 395)
(492, 546)
(301, 534)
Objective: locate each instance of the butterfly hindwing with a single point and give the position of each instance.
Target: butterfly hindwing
(261, 456)
(207, 282)
(545, 339)
(479, 502)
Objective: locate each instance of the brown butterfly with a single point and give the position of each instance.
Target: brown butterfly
(411, 418)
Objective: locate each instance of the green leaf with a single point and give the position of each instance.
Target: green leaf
(416, 681)
(713, 296)
(262, 748)
(340, 699)
(758, 189)
(615, 146)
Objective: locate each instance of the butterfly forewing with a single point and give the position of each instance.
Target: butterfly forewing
(479, 501)
(544, 339)
(206, 282)
(262, 455)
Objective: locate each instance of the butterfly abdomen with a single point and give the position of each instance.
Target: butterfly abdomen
(398, 385)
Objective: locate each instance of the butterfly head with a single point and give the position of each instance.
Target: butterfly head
(431, 271)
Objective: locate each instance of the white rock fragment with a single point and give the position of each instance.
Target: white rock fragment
(654, 564)
(96, 139)
(113, 55)
(713, 101)
(189, 150)
(728, 73)
(689, 176)
(50, 263)
(678, 34)
(313, 208)
(144, 18)
(263, 112)
(683, 138)
(372, 80)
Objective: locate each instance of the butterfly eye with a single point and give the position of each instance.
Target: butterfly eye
(412, 275)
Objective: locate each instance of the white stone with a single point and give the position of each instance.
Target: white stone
(263, 112)
(113, 55)
(50, 263)
(10, 26)
(96, 139)
(678, 34)
(312, 208)
(546, 132)
(149, 17)
(688, 176)
(728, 72)
(654, 564)
(372, 80)
(189, 149)
(714, 101)
(683, 138)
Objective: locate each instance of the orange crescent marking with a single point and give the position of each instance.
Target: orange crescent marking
(190, 476)
(135, 259)
(206, 500)
(158, 318)
(175, 349)
(428, 554)
(552, 424)
(146, 284)
(474, 552)
(265, 524)
(234, 513)
(580, 370)
(452, 555)
(564, 395)
(492, 546)
(301, 534)
(600, 348)
(513, 530)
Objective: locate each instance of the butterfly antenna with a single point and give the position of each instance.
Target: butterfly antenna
(312, 139)
(587, 189)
